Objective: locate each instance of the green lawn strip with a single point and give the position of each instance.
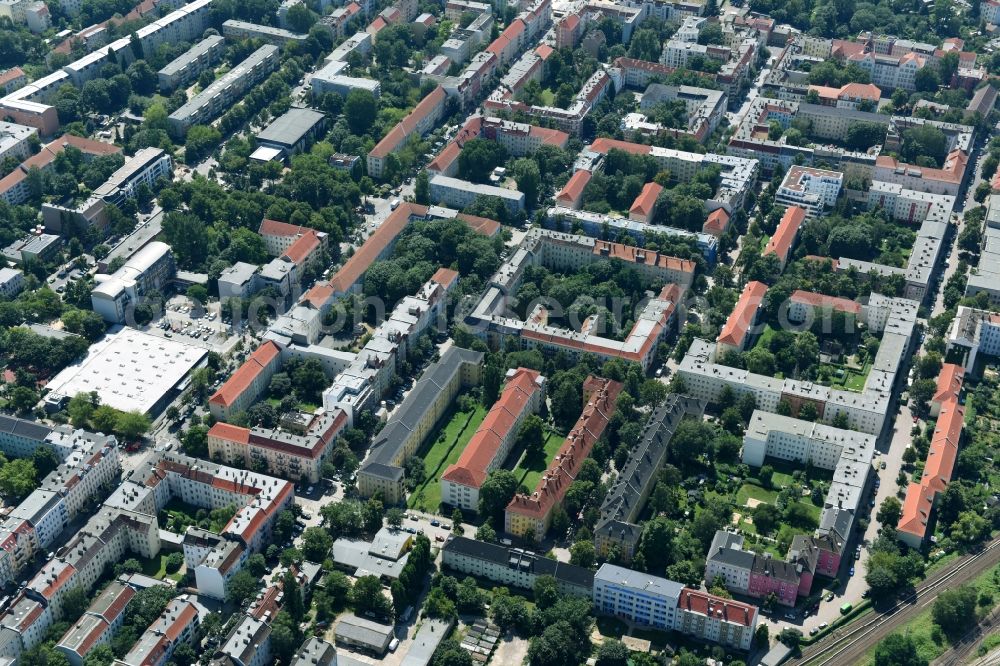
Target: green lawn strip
(751, 491)
(446, 447)
(765, 338)
(529, 468)
(921, 627)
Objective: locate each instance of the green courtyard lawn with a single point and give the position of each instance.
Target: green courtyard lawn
(529, 467)
(440, 450)
(156, 567)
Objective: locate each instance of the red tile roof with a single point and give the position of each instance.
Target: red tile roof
(574, 188)
(405, 127)
(570, 22)
(786, 233)
(564, 467)
(823, 301)
(10, 75)
(284, 229)
(481, 225)
(646, 201)
(638, 255)
(303, 248)
(445, 277)
(241, 380)
(477, 458)
(230, 432)
(717, 608)
(717, 222)
(605, 145)
(742, 317)
(949, 383)
(544, 51)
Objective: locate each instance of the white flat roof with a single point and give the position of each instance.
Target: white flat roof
(130, 370)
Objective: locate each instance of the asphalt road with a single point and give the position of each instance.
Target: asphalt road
(850, 643)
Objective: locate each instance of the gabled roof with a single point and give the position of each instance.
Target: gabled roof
(646, 201)
(742, 317)
(786, 233)
(717, 222)
(823, 301)
(574, 187)
(241, 380)
(949, 383)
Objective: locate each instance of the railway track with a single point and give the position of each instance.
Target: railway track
(849, 643)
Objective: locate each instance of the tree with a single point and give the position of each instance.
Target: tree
(889, 512)
(18, 479)
(394, 517)
(195, 441)
(927, 79)
(81, 408)
(954, 610)
(292, 596)
(497, 492)
(87, 323)
(75, 602)
(898, 650)
(99, 656)
(765, 518)
(256, 565)
(612, 653)
(241, 587)
(478, 159)
(285, 636)
(201, 140)
(300, 19)
(316, 544)
(421, 188)
(546, 591)
(582, 554)
(790, 637)
(526, 175)
(486, 533)
(132, 425)
(371, 515)
(360, 111)
(22, 399)
(532, 433)
(367, 596)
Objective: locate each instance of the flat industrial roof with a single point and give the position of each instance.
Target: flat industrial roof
(289, 128)
(130, 370)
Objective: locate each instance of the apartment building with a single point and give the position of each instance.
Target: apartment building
(848, 96)
(411, 422)
(457, 193)
(225, 91)
(11, 282)
(891, 72)
(663, 604)
(513, 567)
(143, 169)
(644, 206)
(14, 186)
(786, 438)
(115, 297)
(247, 384)
(240, 30)
(249, 643)
(294, 450)
(529, 516)
(419, 121)
(186, 67)
(178, 624)
(783, 241)
(805, 306)
(523, 395)
(15, 140)
(809, 188)
(975, 332)
(98, 625)
(616, 535)
(916, 522)
(739, 326)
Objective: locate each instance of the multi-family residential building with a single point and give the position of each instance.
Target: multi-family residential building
(783, 241)
(738, 329)
(186, 67)
(11, 282)
(247, 384)
(663, 604)
(225, 91)
(14, 141)
(382, 470)
(616, 535)
(143, 169)
(295, 450)
(809, 188)
(249, 643)
(529, 516)
(178, 624)
(916, 522)
(457, 193)
(419, 121)
(514, 567)
(98, 624)
(118, 294)
(523, 394)
(975, 332)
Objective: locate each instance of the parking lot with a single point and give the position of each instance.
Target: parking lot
(199, 326)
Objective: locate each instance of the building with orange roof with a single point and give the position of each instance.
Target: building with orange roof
(848, 96)
(446, 277)
(736, 331)
(568, 31)
(419, 121)
(177, 625)
(295, 450)
(14, 186)
(717, 223)
(247, 384)
(945, 180)
(98, 624)
(915, 523)
(523, 395)
(802, 305)
(529, 516)
(949, 386)
(571, 195)
(12, 79)
(783, 240)
(644, 205)
(279, 236)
